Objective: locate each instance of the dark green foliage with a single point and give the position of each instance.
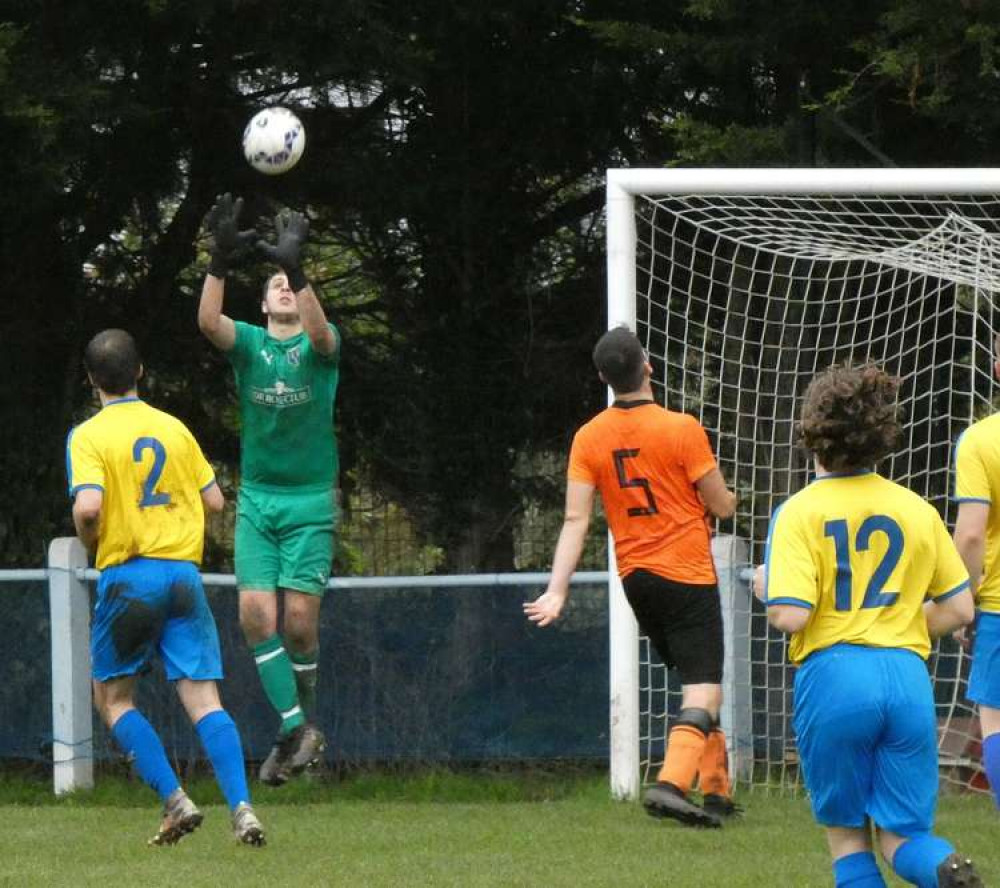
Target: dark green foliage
(454, 181)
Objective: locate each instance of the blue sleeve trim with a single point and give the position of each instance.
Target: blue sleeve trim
(794, 602)
(210, 483)
(971, 499)
(69, 462)
(961, 587)
(767, 548)
(73, 491)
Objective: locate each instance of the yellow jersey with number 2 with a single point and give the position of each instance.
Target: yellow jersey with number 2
(151, 471)
(863, 554)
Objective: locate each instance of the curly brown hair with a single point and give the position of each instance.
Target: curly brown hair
(850, 418)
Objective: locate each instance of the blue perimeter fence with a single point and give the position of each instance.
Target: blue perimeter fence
(412, 669)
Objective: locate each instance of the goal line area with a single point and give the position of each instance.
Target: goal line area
(743, 284)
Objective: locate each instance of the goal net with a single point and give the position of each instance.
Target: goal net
(743, 284)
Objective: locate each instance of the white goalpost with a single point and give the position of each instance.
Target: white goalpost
(742, 284)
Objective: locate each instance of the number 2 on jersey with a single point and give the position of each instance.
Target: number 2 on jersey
(874, 596)
(149, 495)
(624, 481)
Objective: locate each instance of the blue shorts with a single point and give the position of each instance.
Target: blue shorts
(984, 677)
(151, 605)
(867, 738)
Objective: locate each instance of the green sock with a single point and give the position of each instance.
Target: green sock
(276, 676)
(305, 668)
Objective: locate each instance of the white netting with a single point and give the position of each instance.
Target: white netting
(740, 301)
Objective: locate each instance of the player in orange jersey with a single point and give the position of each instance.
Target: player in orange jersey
(659, 484)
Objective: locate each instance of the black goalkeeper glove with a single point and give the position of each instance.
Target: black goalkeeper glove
(228, 242)
(292, 230)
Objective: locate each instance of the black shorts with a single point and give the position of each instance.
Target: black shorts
(683, 623)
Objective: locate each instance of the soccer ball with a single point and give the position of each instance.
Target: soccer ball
(274, 140)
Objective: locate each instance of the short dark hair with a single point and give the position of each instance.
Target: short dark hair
(267, 284)
(113, 362)
(850, 418)
(620, 358)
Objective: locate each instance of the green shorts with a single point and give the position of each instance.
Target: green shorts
(285, 540)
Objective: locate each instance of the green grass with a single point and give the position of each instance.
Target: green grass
(432, 829)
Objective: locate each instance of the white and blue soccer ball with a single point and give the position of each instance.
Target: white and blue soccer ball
(274, 140)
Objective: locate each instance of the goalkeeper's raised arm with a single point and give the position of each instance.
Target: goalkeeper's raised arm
(228, 246)
(292, 230)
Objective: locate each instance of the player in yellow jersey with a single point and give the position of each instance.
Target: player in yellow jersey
(862, 573)
(977, 536)
(658, 482)
(140, 484)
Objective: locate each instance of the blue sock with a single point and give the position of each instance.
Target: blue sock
(135, 736)
(858, 870)
(991, 764)
(917, 859)
(221, 742)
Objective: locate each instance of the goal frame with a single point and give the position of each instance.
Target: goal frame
(622, 188)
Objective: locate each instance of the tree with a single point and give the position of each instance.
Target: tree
(454, 175)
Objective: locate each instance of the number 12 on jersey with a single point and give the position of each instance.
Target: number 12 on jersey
(837, 530)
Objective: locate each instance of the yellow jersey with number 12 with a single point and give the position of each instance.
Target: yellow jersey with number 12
(863, 554)
(151, 472)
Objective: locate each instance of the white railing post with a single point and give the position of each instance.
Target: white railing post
(731, 556)
(624, 687)
(72, 716)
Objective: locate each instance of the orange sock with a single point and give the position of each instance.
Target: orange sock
(685, 746)
(713, 771)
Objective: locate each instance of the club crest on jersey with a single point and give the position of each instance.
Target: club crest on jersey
(294, 356)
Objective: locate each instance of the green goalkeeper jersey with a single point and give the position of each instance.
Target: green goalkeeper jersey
(286, 393)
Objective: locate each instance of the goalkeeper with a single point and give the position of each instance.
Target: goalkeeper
(286, 377)
(861, 573)
(656, 475)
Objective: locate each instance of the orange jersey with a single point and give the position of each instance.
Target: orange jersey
(644, 461)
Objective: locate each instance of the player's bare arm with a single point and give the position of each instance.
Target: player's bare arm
(87, 516)
(970, 538)
(548, 607)
(718, 498)
(228, 246)
(212, 498)
(314, 322)
(217, 327)
(787, 618)
(954, 613)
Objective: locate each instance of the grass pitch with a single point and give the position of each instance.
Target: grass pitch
(434, 830)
